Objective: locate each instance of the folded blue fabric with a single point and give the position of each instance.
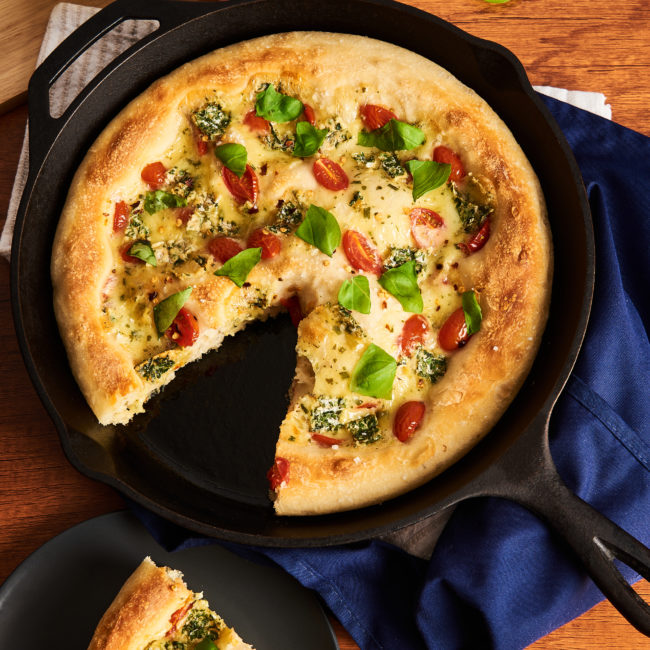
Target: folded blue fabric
(498, 577)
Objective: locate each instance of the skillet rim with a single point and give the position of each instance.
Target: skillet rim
(277, 537)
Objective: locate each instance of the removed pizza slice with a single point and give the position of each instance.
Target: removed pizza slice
(154, 610)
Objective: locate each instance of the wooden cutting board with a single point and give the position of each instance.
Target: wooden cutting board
(24, 23)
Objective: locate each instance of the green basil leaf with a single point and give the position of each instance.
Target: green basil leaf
(160, 200)
(393, 136)
(473, 313)
(427, 175)
(276, 107)
(206, 644)
(308, 139)
(238, 267)
(402, 283)
(233, 156)
(321, 229)
(355, 294)
(497, 2)
(374, 373)
(143, 251)
(166, 310)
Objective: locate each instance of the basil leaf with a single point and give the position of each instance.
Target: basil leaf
(497, 2)
(308, 139)
(238, 267)
(166, 310)
(473, 313)
(321, 229)
(276, 107)
(374, 373)
(160, 200)
(427, 175)
(355, 294)
(143, 251)
(206, 644)
(393, 136)
(402, 283)
(233, 156)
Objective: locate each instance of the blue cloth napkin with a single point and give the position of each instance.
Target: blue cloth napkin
(498, 578)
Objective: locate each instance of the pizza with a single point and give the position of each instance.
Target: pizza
(352, 183)
(154, 610)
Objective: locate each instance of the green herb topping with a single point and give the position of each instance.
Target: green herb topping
(472, 215)
(276, 107)
(287, 217)
(143, 251)
(347, 322)
(275, 142)
(356, 198)
(136, 228)
(211, 120)
(233, 156)
(391, 165)
(201, 624)
(155, 368)
(182, 182)
(427, 175)
(166, 310)
(402, 283)
(399, 256)
(238, 267)
(374, 373)
(365, 159)
(393, 136)
(327, 415)
(365, 430)
(308, 139)
(355, 294)
(321, 229)
(160, 200)
(337, 135)
(430, 366)
(473, 314)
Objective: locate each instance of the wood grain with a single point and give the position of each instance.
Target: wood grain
(24, 24)
(581, 45)
(595, 45)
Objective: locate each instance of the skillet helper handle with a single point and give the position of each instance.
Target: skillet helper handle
(43, 127)
(596, 540)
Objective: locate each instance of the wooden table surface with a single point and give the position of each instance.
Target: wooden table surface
(596, 45)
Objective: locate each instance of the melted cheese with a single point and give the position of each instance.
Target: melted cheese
(376, 204)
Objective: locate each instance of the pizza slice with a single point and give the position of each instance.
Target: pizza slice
(154, 610)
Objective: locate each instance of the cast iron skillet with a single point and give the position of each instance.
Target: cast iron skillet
(199, 458)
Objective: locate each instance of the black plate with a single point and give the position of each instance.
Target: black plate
(56, 597)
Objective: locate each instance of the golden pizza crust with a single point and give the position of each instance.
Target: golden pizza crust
(142, 611)
(511, 274)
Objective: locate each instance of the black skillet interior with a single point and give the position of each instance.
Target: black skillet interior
(199, 456)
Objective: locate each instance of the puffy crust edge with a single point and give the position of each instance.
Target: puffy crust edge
(142, 609)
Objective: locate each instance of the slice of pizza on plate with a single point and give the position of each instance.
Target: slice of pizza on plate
(154, 610)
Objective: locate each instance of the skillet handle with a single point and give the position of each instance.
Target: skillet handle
(44, 127)
(596, 540)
